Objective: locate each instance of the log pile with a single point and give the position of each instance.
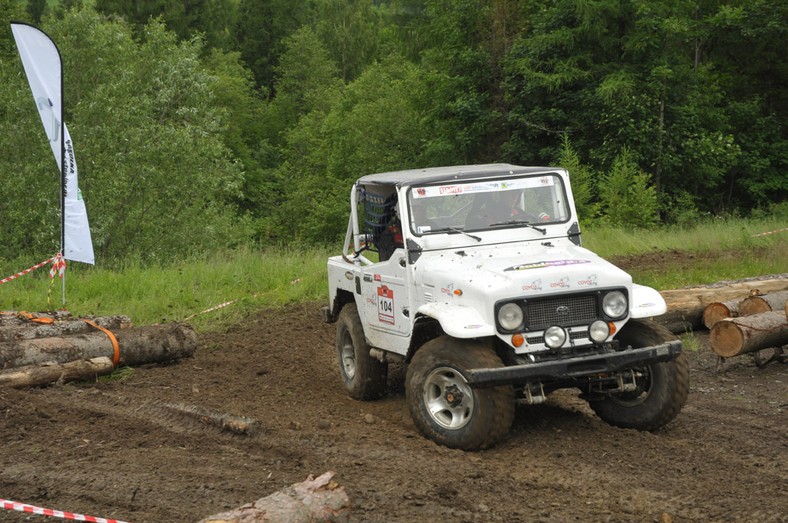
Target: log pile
(687, 307)
(749, 324)
(41, 348)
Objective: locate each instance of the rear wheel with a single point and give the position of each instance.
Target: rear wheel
(443, 405)
(661, 388)
(364, 376)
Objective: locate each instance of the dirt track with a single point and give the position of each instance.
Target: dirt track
(112, 450)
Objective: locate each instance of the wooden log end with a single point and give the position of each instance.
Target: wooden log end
(754, 305)
(715, 312)
(726, 339)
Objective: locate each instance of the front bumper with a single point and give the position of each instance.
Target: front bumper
(577, 367)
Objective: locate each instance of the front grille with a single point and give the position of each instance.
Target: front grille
(561, 310)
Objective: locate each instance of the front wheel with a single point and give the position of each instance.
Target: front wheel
(661, 388)
(364, 376)
(442, 404)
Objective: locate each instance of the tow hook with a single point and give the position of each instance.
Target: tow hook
(627, 386)
(534, 393)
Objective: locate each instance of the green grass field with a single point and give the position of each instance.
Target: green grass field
(250, 280)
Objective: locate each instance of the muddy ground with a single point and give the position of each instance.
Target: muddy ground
(111, 449)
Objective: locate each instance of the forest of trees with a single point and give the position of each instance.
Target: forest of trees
(206, 124)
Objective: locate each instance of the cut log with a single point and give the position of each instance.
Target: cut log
(773, 301)
(685, 306)
(19, 317)
(33, 375)
(138, 345)
(225, 422)
(315, 500)
(26, 329)
(734, 336)
(719, 310)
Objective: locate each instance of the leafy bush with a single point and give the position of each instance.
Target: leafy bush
(626, 197)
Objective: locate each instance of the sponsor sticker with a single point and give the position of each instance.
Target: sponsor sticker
(591, 281)
(563, 283)
(546, 263)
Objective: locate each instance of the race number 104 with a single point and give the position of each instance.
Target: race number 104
(385, 305)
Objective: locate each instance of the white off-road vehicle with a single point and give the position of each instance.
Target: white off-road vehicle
(475, 277)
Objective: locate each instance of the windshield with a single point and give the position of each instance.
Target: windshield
(488, 205)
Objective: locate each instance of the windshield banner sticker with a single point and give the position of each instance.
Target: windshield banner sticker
(477, 187)
(543, 264)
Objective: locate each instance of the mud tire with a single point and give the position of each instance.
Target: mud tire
(474, 418)
(364, 376)
(662, 390)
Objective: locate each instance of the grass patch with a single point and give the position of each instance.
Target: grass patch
(707, 236)
(250, 280)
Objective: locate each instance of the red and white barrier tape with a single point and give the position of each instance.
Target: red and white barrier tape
(58, 267)
(770, 232)
(215, 307)
(30, 509)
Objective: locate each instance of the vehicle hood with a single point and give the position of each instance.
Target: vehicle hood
(496, 273)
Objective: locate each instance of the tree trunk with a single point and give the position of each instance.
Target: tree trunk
(315, 500)
(26, 329)
(23, 317)
(763, 303)
(719, 310)
(685, 306)
(734, 336)
(138, 345)
(32, 375)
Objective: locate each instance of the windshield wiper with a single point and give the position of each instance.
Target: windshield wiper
(520, 222)
(458, 231)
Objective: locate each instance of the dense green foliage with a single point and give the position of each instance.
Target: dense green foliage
(203, 125)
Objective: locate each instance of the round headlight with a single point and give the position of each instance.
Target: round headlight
(599, 331)
(615, 304)
(554, 337)
(510, 316)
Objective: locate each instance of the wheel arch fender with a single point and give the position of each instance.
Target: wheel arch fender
(645, 302)
(458, 321)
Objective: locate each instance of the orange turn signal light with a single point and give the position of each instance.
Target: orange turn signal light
(518, 340)
(612, 327)
(458, 292)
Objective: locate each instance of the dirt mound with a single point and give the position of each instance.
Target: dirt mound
(115, 449)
